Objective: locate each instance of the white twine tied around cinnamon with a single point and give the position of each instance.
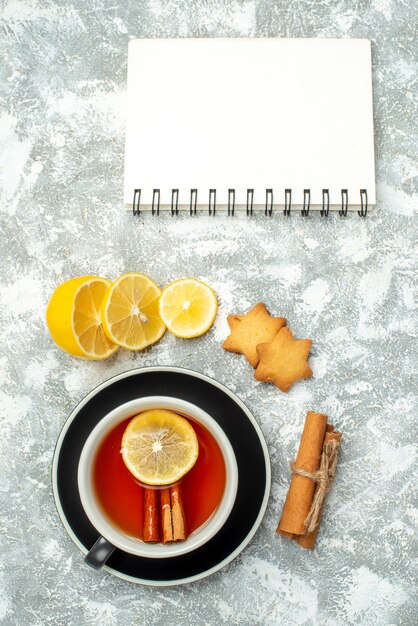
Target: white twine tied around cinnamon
(323, 477)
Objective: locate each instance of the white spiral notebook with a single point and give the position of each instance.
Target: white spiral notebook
(249, 124)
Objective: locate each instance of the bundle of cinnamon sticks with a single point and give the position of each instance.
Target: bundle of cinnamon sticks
(163, 515)
(313, 472)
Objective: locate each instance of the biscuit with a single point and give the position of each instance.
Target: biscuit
(283, 361)
(256, 326)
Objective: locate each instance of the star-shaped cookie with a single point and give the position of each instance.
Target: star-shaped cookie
(283, 361)
(247, 331)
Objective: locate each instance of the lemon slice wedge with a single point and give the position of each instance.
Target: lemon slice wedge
(73, 317)
(159, 447)
(129, 312)
(188, 307)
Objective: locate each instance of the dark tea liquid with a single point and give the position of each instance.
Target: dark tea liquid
(120, 495)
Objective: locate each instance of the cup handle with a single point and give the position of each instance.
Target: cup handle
(98, 554)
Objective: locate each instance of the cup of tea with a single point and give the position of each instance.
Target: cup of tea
(113, 499)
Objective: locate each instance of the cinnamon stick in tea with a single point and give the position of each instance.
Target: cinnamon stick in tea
(166, 521)
(308, 541)
(150, 525)
(173, 520)
(302, 489)
(177, 514)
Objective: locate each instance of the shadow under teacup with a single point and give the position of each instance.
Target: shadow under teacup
(113, 537)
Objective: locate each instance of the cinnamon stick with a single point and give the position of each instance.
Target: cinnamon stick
(173, 520)
(177, 514)
(308, 541)
(287, 535)
(302, 489)
(150, 526)
(166, 521)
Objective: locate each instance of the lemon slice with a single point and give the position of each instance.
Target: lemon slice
(73, 317)
(159, 447)
(130, 314)
(188, 307)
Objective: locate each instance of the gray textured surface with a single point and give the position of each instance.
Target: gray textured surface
(349, 285)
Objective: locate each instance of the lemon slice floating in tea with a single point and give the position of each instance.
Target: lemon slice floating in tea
(188, 307)
(130, 314)
(159, 447)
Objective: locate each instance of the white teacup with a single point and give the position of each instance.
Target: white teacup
(113, 536)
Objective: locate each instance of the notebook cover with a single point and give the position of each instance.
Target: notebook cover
(239, 114)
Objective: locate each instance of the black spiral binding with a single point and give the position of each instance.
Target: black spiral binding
(212, 201)
(287, 202)
(155, 208)
(250, 201)
(363, 201)
(231, 201)
(306, 202)
(193, 201)
(325, 203)
(268, 207)
(175, 202)
(344, 203)
(136, 202)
